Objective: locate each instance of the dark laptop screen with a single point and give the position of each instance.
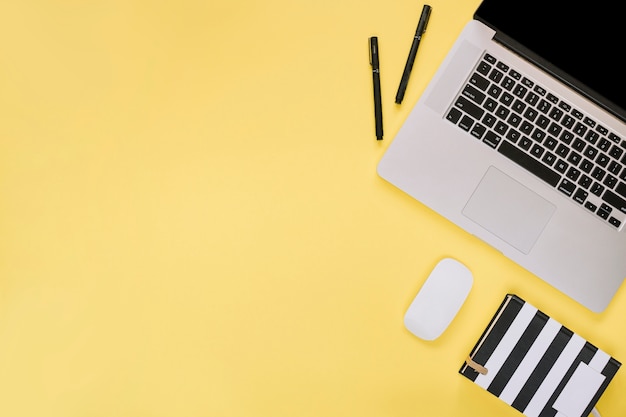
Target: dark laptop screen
(581, 43)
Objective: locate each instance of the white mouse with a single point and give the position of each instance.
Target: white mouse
(439, 300)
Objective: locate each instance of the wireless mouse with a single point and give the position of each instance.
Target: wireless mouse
(439, 299)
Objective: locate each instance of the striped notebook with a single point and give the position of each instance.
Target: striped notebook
(538, 366)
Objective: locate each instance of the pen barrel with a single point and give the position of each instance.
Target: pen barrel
(378, 110)
(408, 67)
(421, 28)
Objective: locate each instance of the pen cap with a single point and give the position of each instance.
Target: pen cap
(423, 22)
(373, 41)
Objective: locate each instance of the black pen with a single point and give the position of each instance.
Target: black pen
(378, 109)
(421, 28)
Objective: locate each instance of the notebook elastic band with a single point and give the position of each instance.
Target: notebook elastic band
(476, 366)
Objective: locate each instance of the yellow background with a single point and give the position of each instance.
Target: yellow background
(191, 223)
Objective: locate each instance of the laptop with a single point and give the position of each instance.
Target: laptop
(520, 139)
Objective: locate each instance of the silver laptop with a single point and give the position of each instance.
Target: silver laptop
(519, 139)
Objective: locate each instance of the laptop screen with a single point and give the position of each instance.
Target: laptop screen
(579, 43)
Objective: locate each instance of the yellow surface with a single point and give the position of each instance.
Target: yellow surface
(191, 223)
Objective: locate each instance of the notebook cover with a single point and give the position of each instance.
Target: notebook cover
(537, 365)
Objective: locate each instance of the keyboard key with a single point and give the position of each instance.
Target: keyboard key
(454, 115)
(479, 81)
(610, 181)
(508, 83)
(615, 138)
(597, 189)
(580, 129)
(604, 144)
(489, 120)
(469, 107)
(490, 104)
(567, 187)
(525, 143)
(561, 166)
(556, 114)
(526, 127)
(568, 121)
(520, 91)
(574, 158)
(602, 160)
(502, 67)
(614, 168)
(566, 137)
(502, 112)
(492, 139)
(603, 213)
(549, 158)
(590, 206)
(602, 130)
(578, 145)
(550, 143)
(500, 128)
(513, 135)
(514, 120)
(466, 123)
(590, 152)
(518, 106)
(555, 129)
(565, 107)
(532, 99)
(542, 122)
(606, 207)
(531, 114)
(528, 83)
(529, 163)
(598, 173)
(586, 165)
(478, 131)
(616, 152)
(494, 91)
(580, 196)
(537, 151)
(562, 150)
(495, 75)
(506, 99)
(538, 135)
(585, 181)
(577, 114)
(573, 173)
(474, 94)
(483, 68)
(592, 137)
(589, 122)
(544, 106)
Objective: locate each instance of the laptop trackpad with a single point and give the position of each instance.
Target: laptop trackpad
(509, 210)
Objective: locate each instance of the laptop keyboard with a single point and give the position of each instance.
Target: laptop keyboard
(546, 136)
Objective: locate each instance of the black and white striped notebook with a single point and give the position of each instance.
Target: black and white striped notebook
(537, 365)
